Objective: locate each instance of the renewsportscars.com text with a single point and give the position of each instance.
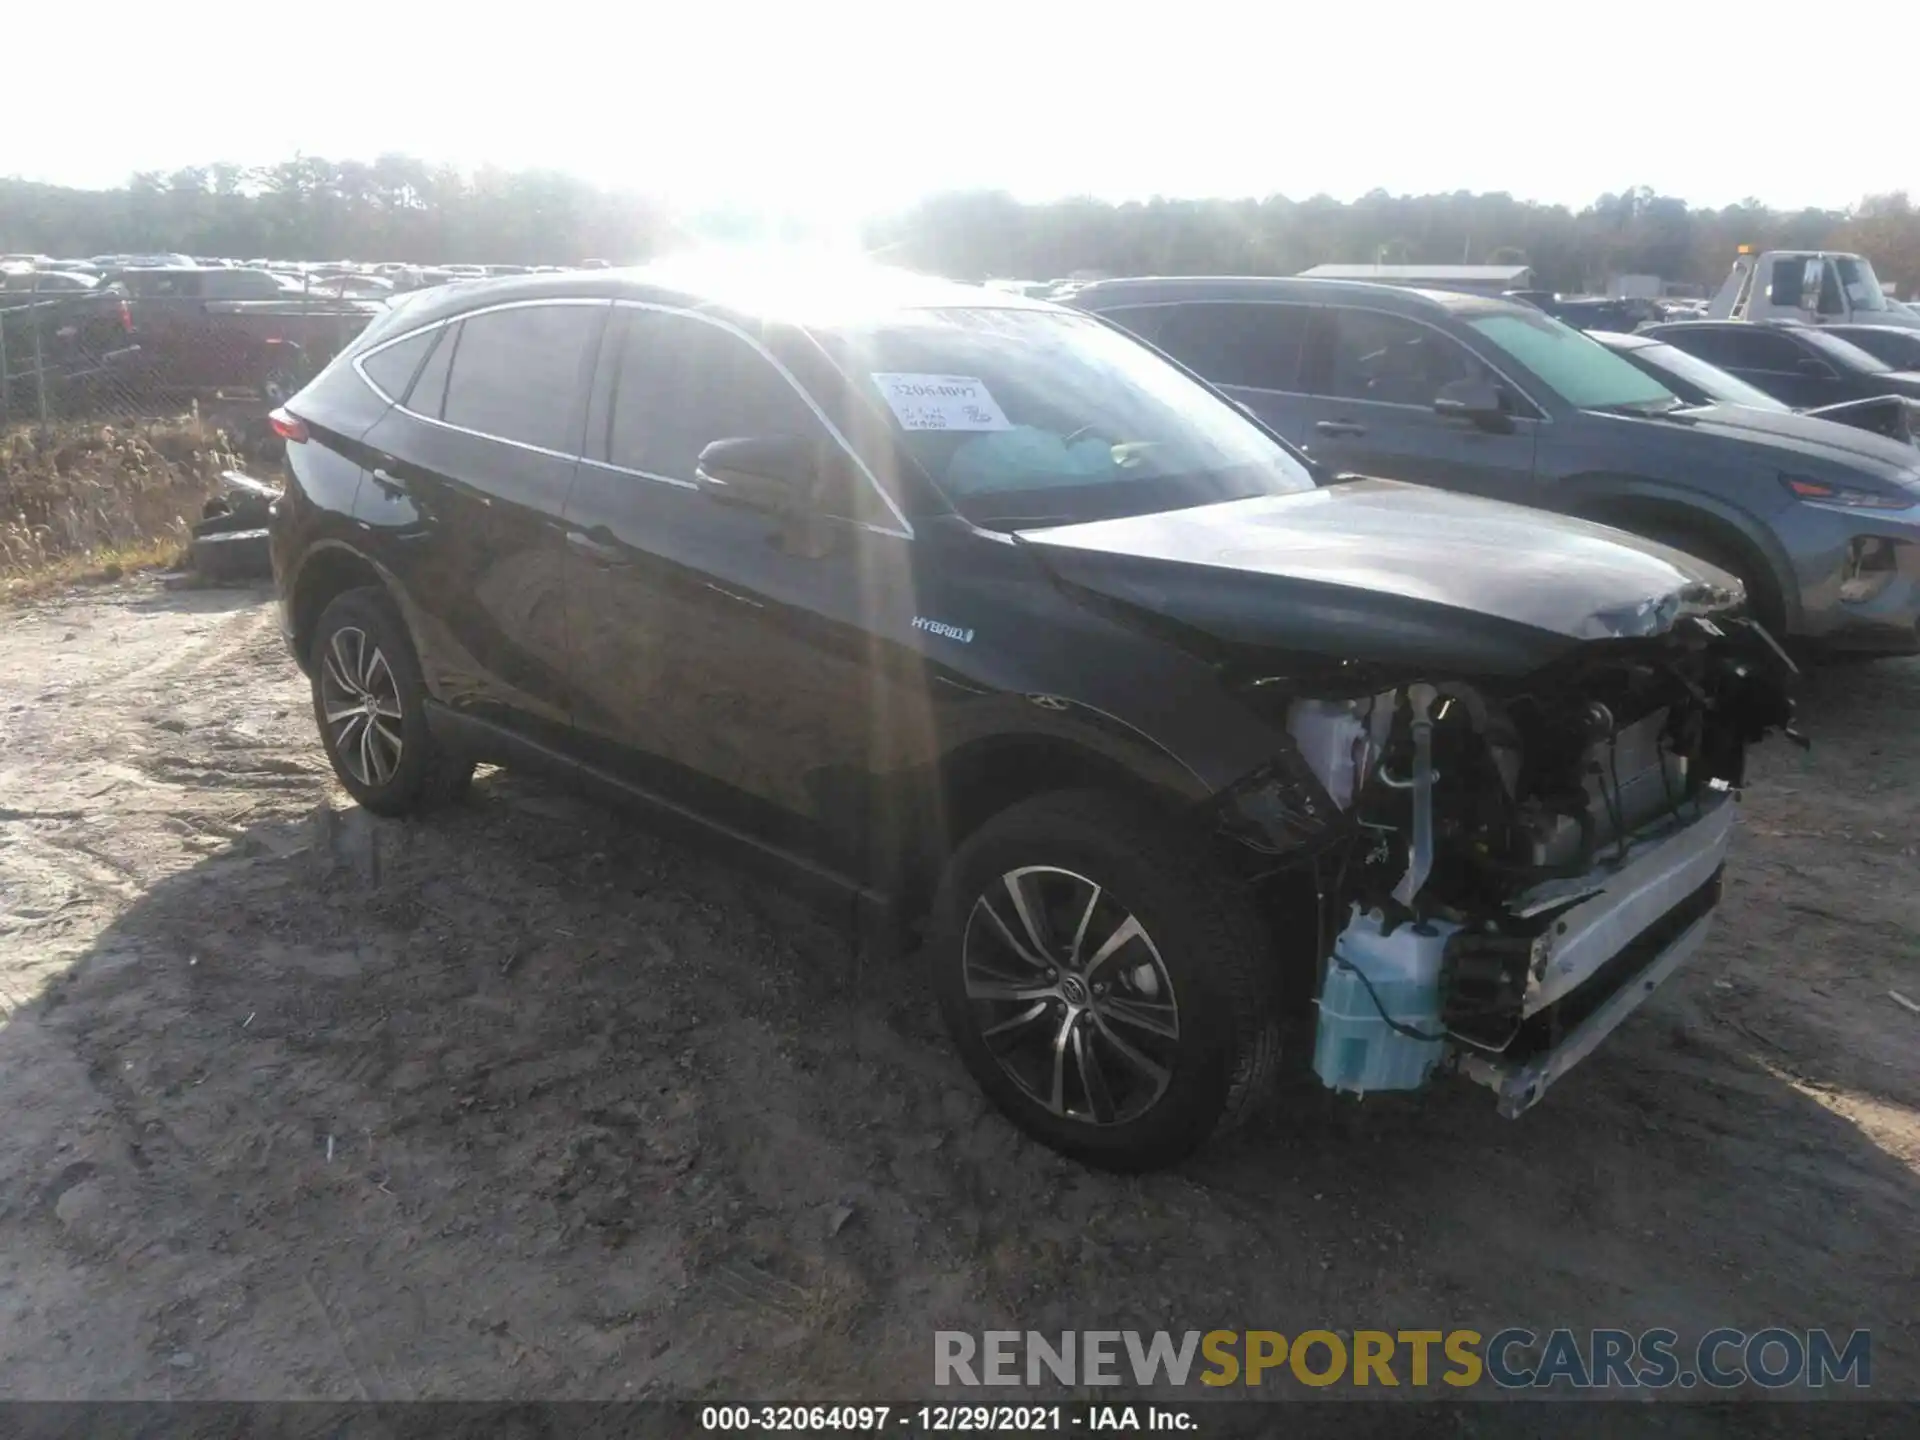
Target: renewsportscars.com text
(1511, 1359)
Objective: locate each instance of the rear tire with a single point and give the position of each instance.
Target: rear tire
(369, 703)
(1111, 991)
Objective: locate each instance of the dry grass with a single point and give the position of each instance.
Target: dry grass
(80, 501)
(95, 567)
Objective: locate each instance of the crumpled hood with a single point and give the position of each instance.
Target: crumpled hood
(1380, 572)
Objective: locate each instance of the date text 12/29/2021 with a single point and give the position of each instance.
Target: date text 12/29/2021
(946, 1419)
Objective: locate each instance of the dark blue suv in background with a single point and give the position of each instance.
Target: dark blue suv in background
(1821, 521)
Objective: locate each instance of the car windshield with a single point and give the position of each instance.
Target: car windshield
(1582, 372)
(1036, 417)
(1862, 285)
(1689, 372)
(1843, 353)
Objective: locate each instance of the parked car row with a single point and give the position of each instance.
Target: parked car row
(182, 330)
(1805, 366)
(1185, 755)
(1489, 396)
(120, 330)
(1699, 383)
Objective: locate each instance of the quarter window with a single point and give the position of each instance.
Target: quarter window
(685, 383)
(391, 369)
(517, 373)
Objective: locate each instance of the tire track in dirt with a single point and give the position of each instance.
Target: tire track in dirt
(536, 1104)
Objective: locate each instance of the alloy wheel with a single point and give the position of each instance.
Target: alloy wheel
(1070, 995)
(360, 703)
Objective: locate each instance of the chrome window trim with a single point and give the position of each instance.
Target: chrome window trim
(658, 479)
(373, 350)
(441, 324)
(905, 530)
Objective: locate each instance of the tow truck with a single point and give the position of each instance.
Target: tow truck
(1816, 287)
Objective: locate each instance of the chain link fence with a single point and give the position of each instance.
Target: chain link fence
(121, 412)
(113, 357)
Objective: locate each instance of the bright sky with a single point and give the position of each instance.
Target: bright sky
(843, 107)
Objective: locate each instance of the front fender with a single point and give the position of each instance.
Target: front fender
(1620, 500)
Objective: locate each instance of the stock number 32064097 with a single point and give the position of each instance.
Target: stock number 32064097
(883, 1419)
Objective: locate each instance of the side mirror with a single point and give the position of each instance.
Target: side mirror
(1475, 401)
(1817, 369)
(777, 473)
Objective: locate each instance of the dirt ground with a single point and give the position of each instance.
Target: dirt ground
(522, 1102)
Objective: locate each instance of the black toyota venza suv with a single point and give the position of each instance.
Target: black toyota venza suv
(986, 621)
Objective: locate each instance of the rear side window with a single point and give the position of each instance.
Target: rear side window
(517, 374)
(239, 285)
(1702, 343)
(1742, 348)
(1251, 345)
(392, 369)
(164, 284)
(685, 383)
(1786, 288)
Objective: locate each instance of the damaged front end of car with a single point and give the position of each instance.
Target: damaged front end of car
(1506, 868)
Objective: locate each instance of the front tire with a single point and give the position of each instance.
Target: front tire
(370, 705)
(1111, 991)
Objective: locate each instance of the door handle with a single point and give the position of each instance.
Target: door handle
(386, 483)
(595, 551)
(1339, 427)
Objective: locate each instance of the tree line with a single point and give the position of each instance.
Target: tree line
(400, 208)
(1633, 232)
(393, 208)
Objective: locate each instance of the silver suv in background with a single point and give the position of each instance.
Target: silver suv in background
(1821, 522)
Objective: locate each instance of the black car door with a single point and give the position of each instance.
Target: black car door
(723, 661)
(1373, 378)
(1250, 349)
(465, 489)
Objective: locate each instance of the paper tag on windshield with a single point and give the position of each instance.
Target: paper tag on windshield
(941, 402)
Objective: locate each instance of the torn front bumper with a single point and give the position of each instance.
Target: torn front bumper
(1601, 958)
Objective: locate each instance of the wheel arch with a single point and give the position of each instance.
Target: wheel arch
(328, 571)
(1659, 511)
(933, 813)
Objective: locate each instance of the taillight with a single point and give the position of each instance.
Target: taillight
(290, 428)
(126, 317)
